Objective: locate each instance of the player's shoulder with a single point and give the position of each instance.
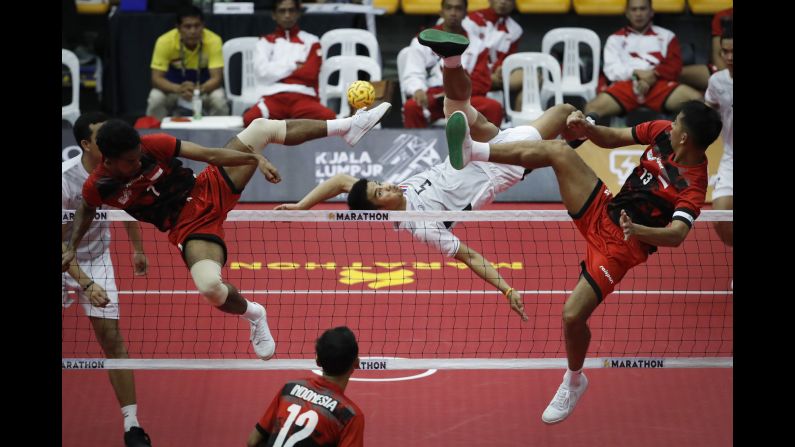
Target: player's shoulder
(650, 131)
(663, 32)
(721, 77)
(167, 39)
(308, 38)
(209, 37)
(151, 140)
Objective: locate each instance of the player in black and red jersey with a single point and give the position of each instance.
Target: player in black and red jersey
(143, 176)
(315, 412)
(656, 207)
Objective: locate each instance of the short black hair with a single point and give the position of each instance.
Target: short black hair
(357, 197)
(727, 27)
(298, 6)
(336, 350)
(82, 128)
(466, 5)
(626, 7)
(701, 121)
(116, 137)
(189, 11)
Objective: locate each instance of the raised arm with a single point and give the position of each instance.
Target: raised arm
(229, 157)
(332, 187)
(218, 156)
(605, 137)
(483, 268)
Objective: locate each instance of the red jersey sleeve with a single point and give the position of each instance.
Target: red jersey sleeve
(309, 72)
(90, 193)
(162, 146)
(353, 433)
(646, 133)
(689, 203)
(264, 423)
(670, 67)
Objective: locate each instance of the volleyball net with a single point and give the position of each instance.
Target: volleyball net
(410, 306)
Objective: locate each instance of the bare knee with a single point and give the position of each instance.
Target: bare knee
(548, 152)
(110, 339)
(563, 109)
(573, 318)
(115, 349)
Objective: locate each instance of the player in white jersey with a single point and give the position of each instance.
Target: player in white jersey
(91, 278)
(720, 96)
(443, 188)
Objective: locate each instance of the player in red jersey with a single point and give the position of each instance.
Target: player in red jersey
(143, 176)
(656, 207)
(315, 412)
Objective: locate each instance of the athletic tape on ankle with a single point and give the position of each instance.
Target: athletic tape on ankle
(454, 105)
(261, 132)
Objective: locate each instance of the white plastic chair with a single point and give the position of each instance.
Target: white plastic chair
(348, 38)
(530, 63)
(572, 84)
(248, 94)
(348, 68)
(71, 111)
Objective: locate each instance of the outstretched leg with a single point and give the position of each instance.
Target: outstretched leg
(578, 308)
(261, 132)
(109, 337)
(575, 178)
(204, 259)
(457, 85)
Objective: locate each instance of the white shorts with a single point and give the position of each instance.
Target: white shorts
(724, 184)
(503, 176)
(101, 271)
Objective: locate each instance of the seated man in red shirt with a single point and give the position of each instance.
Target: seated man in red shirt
(501, 34)
(642, 61)
(422, 75)
(656, 207)
(143, 176)
(287, 65)
(315, 411)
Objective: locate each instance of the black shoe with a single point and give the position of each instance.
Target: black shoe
(137, 437)
(443, 43)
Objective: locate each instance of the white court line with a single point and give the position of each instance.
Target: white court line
(428, 292)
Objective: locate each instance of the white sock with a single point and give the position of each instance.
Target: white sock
(452, 61)
(480, 151)
(573, 377)
(130, 413)
(339, 126)
(252, 313)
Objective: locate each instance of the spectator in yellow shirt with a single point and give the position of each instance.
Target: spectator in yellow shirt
(184, 58)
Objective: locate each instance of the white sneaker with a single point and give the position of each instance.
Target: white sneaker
(363, 121)
(459, 143)
(261, 337)
(564, 401)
